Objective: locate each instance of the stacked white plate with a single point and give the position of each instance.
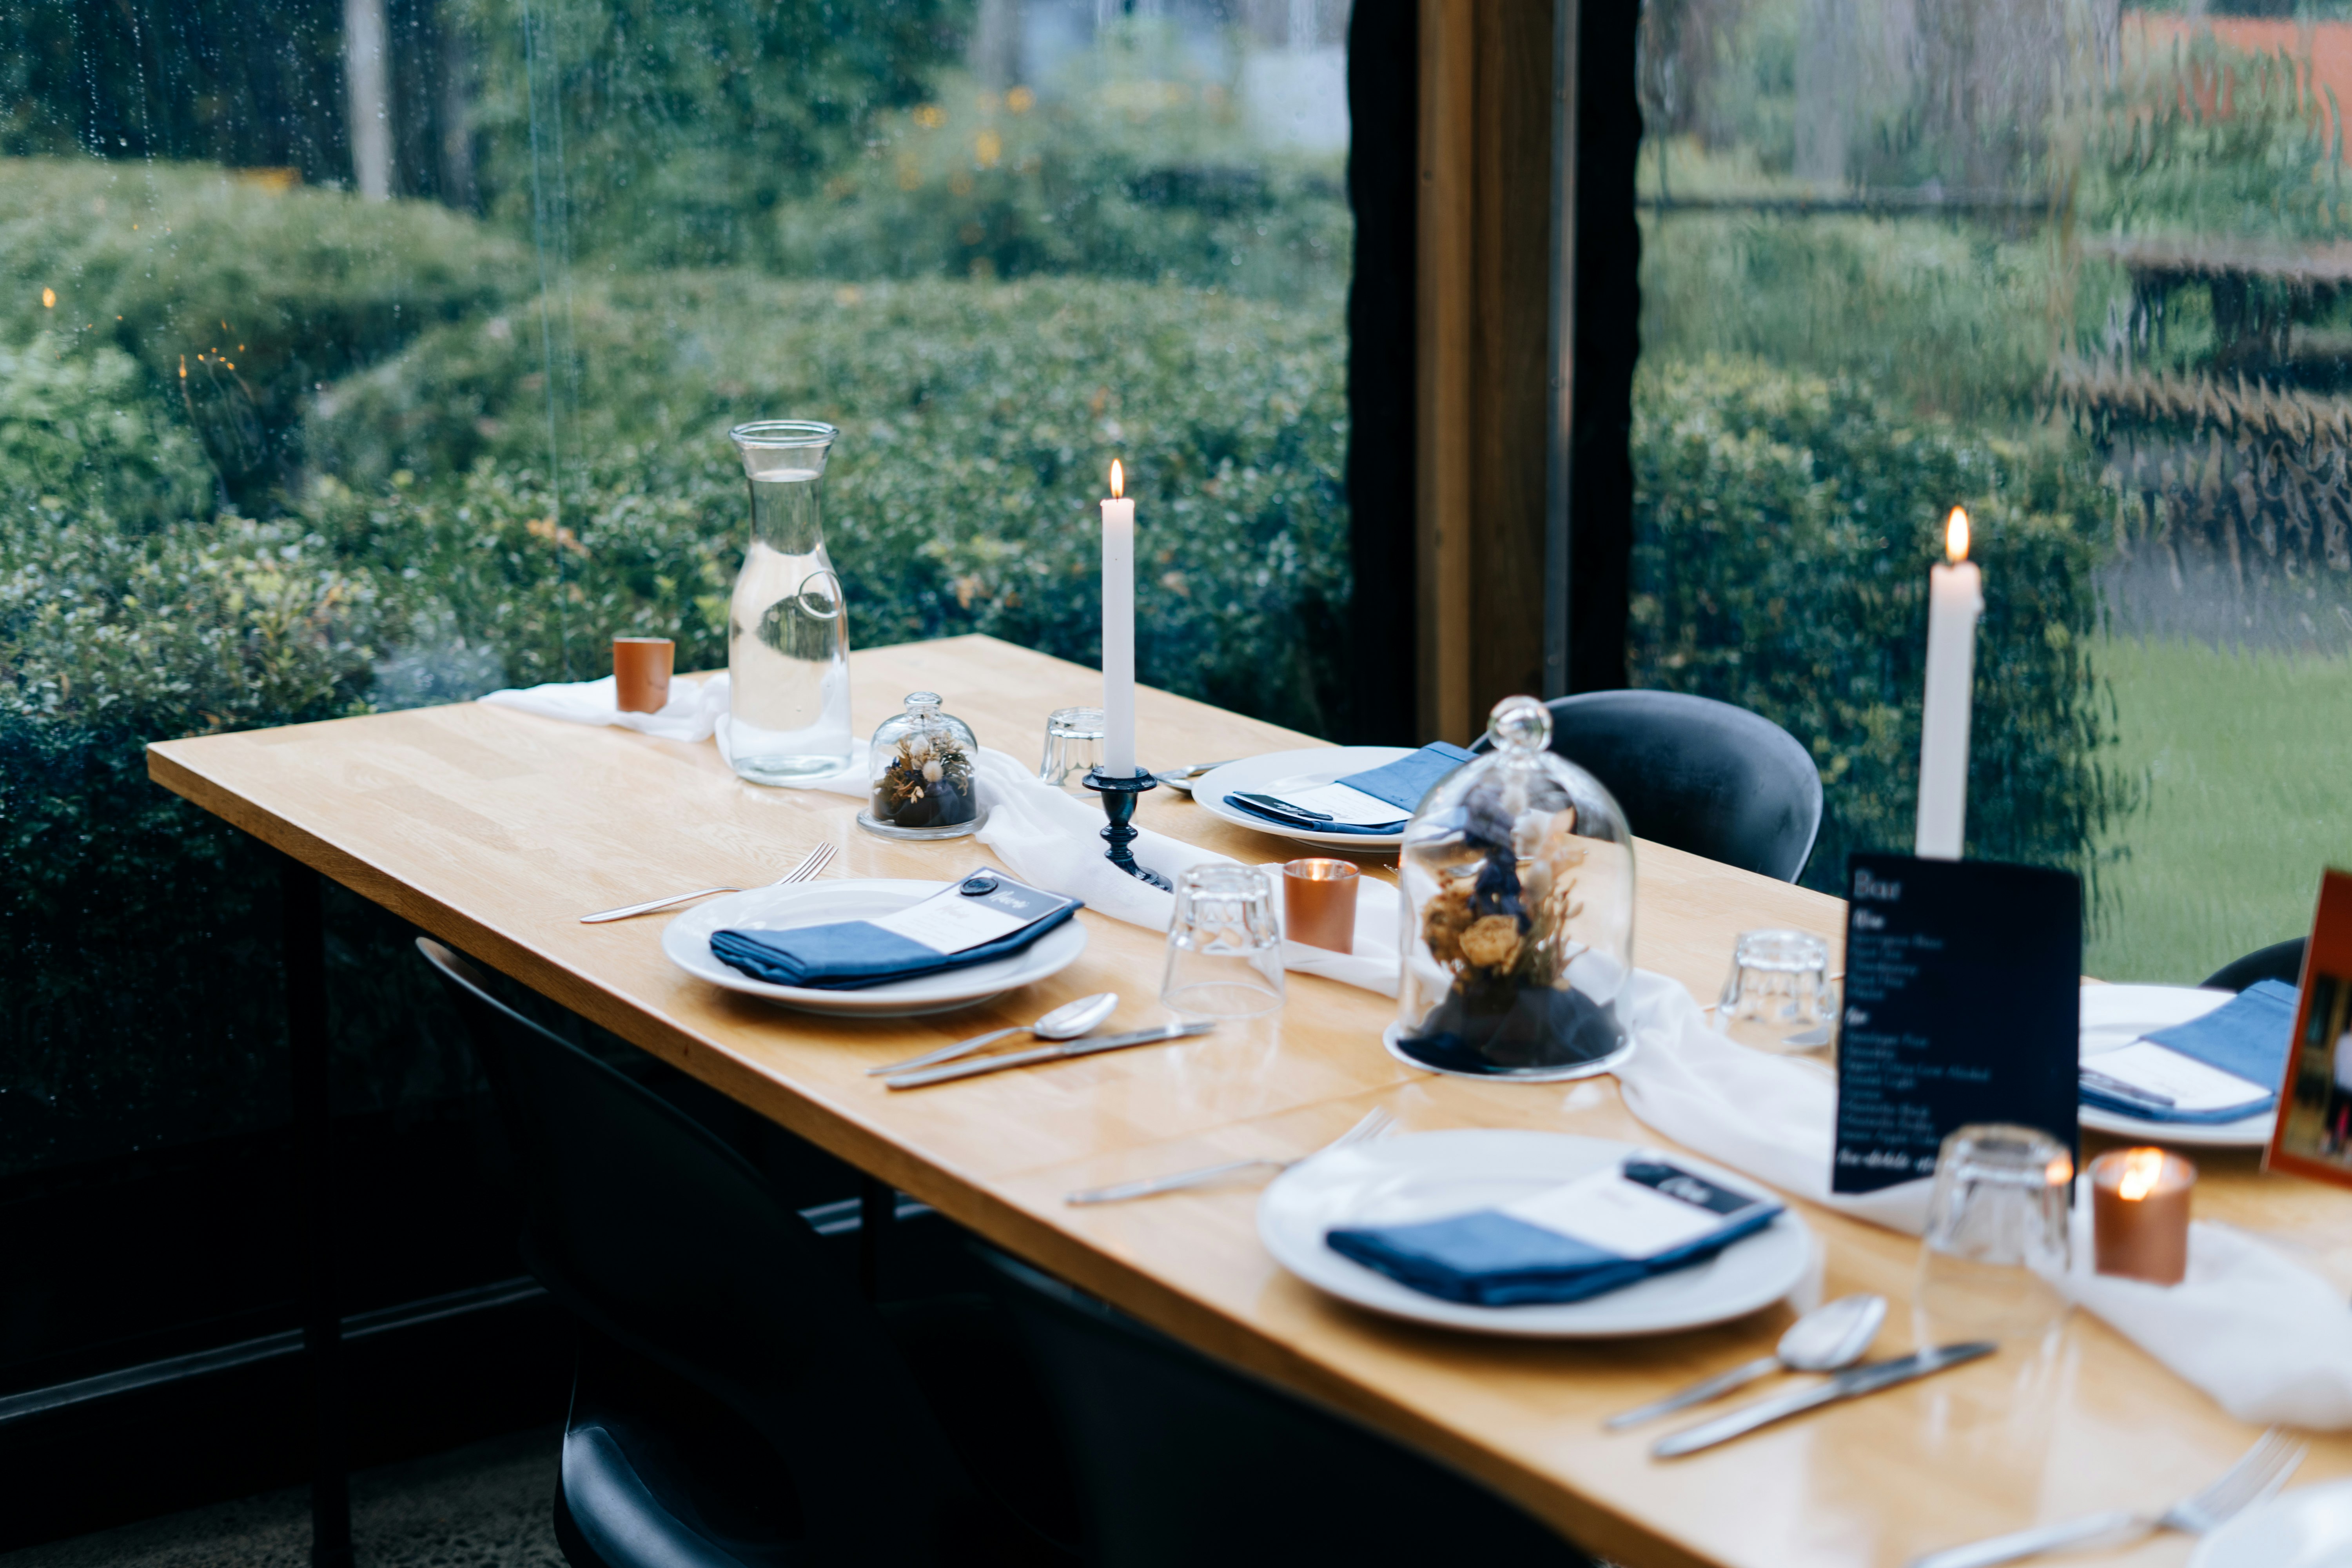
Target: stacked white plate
(686, 941)
(1427, 1176)
(2115, 1015)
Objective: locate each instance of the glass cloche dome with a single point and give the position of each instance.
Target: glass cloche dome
(923, 774)
(1518, 871)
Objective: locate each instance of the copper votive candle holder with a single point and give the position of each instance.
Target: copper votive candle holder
(1319, 903)
(641, 668)
(2139, 1214)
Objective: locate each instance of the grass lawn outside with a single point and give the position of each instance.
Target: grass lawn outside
(2246, 759)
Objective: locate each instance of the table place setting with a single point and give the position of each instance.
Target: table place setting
(1347, 797)
(2183, 1065)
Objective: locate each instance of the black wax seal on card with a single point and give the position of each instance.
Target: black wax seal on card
(1963, 983)
(978, 885)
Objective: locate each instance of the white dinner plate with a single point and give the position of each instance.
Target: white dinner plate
(686, 941)
(2115, 1015)
(1279, 772)
(1423, 1176)
(2309, 1527)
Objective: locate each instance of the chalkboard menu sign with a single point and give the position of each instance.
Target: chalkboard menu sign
(1962, 981)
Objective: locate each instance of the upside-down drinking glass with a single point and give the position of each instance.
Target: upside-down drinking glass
(1073, 746)
(1998, 1235)
(1779, 996)
(1224, 947)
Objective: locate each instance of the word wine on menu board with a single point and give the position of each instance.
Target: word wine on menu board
(1962, 1004)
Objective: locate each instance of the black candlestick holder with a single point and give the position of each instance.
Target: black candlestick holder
(1119, 797)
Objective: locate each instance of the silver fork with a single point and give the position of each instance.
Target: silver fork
(814, 861)
(1374, 1124)
(2262, 1471)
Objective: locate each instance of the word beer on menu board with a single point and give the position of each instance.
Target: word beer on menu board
(1962, 1006)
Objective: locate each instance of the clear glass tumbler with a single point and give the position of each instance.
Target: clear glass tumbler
(787, 626)
(1073, 746)
(1779, 996)
(1224, 947)
(1998, 1235)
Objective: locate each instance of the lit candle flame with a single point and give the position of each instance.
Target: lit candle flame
(1118, 479)
(48, 299)
(2142, 1167)
(1956, 536)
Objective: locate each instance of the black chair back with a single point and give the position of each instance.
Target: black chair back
(668, 1242)
(1697, 774)
(1183, 1462)
(2280, 961)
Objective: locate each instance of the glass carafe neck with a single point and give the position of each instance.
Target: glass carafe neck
(785, 516)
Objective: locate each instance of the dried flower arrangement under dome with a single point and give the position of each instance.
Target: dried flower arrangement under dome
(1519, 869)
(926, 778)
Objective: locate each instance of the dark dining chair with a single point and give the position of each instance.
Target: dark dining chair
(1697, 774)
(2280, 961)
(737, 1403)
(1182, 1461)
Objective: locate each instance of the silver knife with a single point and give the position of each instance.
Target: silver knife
(1849, 1384)
(953, 1070)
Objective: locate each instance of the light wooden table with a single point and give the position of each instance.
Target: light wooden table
(494, 830)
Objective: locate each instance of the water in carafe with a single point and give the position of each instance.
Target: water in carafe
(787, 625)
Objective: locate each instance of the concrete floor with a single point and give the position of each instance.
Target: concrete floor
(486, 1506)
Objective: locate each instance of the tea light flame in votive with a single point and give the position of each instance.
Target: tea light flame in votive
(1118, 479)
(2142, 1169)
(2060, 1171)
(1956, 536)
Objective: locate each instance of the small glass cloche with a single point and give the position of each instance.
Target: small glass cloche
(925, 775)
(1518, 873)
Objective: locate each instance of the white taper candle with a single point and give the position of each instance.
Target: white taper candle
(1955, 599)
(1118, 629)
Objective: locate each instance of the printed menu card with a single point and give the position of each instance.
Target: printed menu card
(1962, 981)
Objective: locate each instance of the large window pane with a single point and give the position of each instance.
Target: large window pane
(366, 353)
(2075, 268)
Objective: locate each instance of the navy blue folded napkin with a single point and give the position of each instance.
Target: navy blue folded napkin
(1401, 784)
(1590, 1237)
(986, 916)
(2248, 1036)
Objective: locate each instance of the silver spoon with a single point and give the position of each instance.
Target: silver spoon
(1066, 1021)
(1831, 1336)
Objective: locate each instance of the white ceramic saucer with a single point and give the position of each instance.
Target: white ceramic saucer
(685, 942)
(2113, 1017)
(1425, 1175)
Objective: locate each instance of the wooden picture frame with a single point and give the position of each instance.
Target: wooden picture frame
(2312, 1136)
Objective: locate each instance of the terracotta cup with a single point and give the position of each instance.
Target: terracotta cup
(641, 673)
(1319, 903)
(2139, 1214)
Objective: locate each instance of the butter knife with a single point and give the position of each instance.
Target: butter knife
(1851, 1384)
(954, 1070)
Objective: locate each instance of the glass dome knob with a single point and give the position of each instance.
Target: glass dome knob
(1520, 724)
(920, 701)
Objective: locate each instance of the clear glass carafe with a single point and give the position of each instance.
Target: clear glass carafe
(788, 625)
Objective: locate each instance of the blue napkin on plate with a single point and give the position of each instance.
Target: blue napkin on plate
(1490, 1258)
(1402, 783)
(2248, 1036)
(849, 955)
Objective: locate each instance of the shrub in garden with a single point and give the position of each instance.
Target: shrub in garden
(136, 939)
(1785, 525)
(978, 424)
(239, 297)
